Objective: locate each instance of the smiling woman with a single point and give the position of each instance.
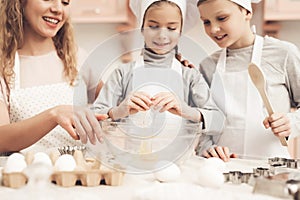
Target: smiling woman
(39, 75)
(45, 18)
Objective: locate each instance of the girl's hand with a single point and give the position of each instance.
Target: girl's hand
(279, 123)
(135, 102)
(219, 152)
(167, 101)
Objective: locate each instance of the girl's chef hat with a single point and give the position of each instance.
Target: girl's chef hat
(188, 9)
(246, 3)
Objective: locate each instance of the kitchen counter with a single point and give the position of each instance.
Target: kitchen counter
(146, 187)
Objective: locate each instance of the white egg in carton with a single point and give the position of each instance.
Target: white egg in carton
(67, 171)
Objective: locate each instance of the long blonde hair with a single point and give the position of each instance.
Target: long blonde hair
(12, 38)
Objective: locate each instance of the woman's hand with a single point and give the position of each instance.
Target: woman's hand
(80, 122)
(87, 124)
(279, 123)
(219, 152)
(135, 102)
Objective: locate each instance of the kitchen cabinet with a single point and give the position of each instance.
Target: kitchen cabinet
(279, 10)
(106, 11)
(99, 11)
(275, 11)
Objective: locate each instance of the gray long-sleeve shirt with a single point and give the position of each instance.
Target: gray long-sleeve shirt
(281, 65)
(196, 95)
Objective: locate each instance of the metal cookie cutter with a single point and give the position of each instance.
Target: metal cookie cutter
(277, 161)
(284, 165)
(238, 177)
(293, 163)
(285, 162)
(262, 172)
(71, 149)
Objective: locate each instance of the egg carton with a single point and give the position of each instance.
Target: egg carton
(88, 172)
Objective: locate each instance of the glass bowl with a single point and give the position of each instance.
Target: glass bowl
(135, 149)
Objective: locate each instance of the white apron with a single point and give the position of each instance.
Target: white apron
(157, 80)
(239, 99)
(28, 102)
(155, 135)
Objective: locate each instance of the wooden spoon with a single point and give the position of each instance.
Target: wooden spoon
(259, 81)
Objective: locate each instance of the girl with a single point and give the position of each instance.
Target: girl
(247, 129)
(37, 38)
(161, 22)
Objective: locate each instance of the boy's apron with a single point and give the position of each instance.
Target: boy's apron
(244, 132)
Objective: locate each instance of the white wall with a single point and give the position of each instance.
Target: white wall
(290, 32)
(88, 36)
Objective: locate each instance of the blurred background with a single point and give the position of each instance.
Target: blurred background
(96, 20)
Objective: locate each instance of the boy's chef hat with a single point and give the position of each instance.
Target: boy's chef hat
(188, 9)
(246, 3)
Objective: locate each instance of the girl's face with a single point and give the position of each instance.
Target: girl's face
(226, 23)
(162, 27)
(45, 17)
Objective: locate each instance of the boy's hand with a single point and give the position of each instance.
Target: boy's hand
(219, 152)
(279, 123)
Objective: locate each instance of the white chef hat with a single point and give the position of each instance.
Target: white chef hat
(246, 3)
(188, 9)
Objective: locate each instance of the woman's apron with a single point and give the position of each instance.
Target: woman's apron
(239, 99)
(28, 102)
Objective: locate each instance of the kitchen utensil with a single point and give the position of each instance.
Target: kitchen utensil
(259, 81)
(71, 149)
(135, 150)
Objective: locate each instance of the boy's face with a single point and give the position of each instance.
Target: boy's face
(162, 26)
(226, 23)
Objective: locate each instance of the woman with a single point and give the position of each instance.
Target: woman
(39, 74)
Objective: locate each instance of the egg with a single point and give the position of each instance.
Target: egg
(41, 157)
(217, 163)
(209, 177)
(65, 162)
(210, 174)
(142, 119)
(168, 172)
(15, 163)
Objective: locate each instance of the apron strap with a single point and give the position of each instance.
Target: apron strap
(257, 50)
(256, 54)
(221, 65)
(176, 65)
(17, 71)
